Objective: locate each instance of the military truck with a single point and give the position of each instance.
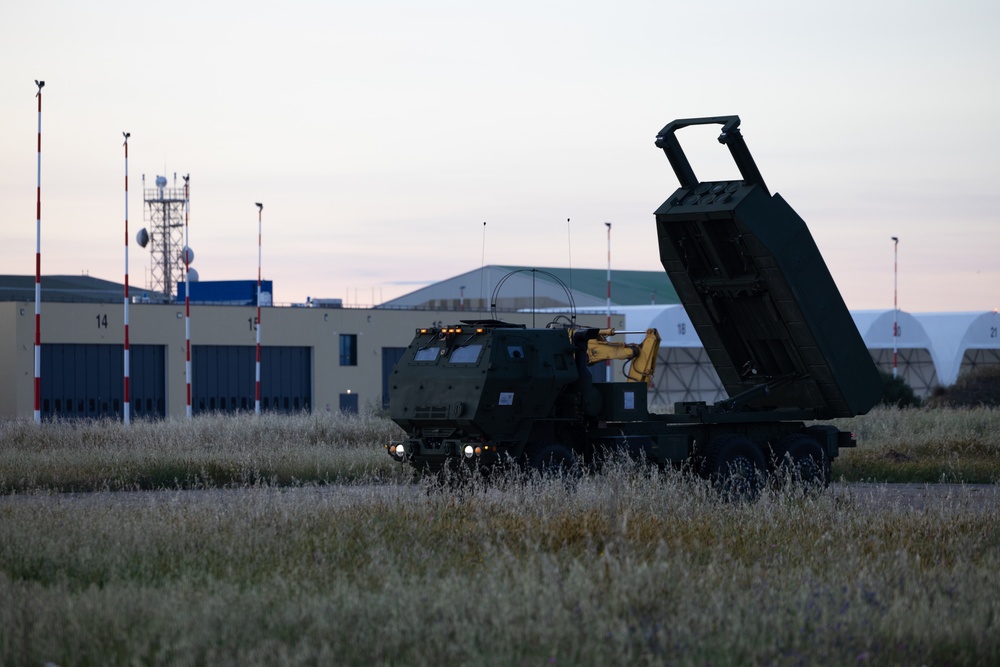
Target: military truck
(764, 305)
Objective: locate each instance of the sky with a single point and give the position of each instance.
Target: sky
(381, 135)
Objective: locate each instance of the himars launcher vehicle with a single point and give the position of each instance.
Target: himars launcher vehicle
(765, 307)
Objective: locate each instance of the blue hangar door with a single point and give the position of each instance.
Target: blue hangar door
(223, 378)
(88, 380)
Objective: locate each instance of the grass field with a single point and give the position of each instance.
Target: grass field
(201, 453)
(302, 544)
(942, 445)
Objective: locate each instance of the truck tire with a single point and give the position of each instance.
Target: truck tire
(802, 460)
(735, 466)
(552, 459)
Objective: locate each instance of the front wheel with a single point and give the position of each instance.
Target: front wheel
(552, 460)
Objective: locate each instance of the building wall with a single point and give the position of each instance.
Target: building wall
(16, 378)
(163, 324)
(380, 330)
(377, 331)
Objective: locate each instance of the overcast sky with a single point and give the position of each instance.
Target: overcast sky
(380, 136)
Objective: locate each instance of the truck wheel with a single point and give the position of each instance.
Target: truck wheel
(801, 460)
(735, 466)
(553, 459)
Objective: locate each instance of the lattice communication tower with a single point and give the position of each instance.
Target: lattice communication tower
(163, 211)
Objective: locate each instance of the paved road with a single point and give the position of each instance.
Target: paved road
(985, 497)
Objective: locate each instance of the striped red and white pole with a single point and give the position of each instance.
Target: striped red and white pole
(187, 296)
(895, 306)
(127, 401)
(256, 404)
(38, 266)
(607, 364)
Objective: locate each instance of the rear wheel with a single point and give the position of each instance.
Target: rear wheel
(735, 466)
(801, 460)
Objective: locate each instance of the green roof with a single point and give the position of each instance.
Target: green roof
(63, 288)
(628, 288)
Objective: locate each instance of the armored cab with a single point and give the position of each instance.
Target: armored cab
(758, 292)
(484, 387)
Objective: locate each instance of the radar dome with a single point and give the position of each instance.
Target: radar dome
(142, 238)
(187, 255)
(192, 276)
(161, 181)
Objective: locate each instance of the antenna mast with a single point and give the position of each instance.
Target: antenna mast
(164, 211)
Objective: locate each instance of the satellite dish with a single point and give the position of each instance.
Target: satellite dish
(142, 238)
(187, 255)
(192, 276)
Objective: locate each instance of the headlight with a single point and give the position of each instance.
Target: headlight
(469, 451)
(401, 450)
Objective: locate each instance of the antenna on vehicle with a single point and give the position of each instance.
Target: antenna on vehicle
(569, 248)
(482, 276)
(555, 279)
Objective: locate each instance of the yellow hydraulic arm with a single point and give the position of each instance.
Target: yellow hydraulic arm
(642, 356)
